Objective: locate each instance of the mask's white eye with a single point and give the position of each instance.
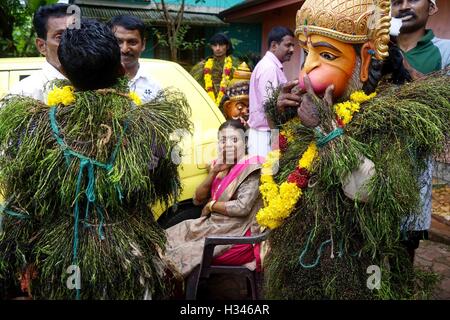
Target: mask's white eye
(328, 56)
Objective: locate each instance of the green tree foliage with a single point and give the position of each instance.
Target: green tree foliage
(16, 29)
(175, 31)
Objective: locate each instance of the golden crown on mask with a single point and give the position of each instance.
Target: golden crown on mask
(238, 88)
(348, 21)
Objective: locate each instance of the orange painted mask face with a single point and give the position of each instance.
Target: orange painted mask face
(234, 109)
(327, 61)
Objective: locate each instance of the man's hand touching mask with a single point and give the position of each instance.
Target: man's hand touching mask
(312, 108)
(288, 98)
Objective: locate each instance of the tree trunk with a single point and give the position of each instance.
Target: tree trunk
(173, 26)
(173, 52)
(172, 42)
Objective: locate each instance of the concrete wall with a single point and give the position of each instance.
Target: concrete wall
(280, 17)
(441, 171)
(247, 36)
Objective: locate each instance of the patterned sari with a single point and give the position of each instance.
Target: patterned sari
(239, 189)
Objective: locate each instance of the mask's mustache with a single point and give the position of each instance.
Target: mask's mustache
(405, 14)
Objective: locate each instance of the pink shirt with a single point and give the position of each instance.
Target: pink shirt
(268, 72)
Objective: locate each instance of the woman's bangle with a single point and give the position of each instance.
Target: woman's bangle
(210, 205)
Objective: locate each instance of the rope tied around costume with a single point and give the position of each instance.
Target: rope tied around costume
(89, 165)
(305, 250)
(320, 250)
(11, 213)
(323, 140)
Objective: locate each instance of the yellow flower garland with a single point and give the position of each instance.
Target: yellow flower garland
(135, 98)
(209, 86)
(287, 129)
(288, 134)
(62, 95)
(280, 201)
(345, 110)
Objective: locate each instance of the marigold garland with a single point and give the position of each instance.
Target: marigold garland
(209, 86)
(286, 135)
(283, 142)
(62, 95)
(280, 201)
(135, 98)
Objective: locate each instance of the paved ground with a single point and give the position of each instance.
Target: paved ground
(441, 200)
(435, 256)
(431, 256)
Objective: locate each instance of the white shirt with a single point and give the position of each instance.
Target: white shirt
(37, 84)
(267, 74)
(145, 87)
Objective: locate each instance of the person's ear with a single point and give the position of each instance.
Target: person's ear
(432, 10)
(273, 46)
(143, 45)
(226, 109)
(366, 57)
(41, 45)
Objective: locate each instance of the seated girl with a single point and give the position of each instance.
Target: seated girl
(231, 198)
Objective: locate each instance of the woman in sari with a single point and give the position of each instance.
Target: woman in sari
(231, 198)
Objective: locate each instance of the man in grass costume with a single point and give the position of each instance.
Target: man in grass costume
(215, 72)
(349, 161)
(78, 176)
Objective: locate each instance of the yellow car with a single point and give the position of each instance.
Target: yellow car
(197, 149)
(12, 70)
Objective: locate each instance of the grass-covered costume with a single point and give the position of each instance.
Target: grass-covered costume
(323, 243)
(78, 177)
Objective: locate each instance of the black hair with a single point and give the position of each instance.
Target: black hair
(232, 123)
(374, 76)
(90, 56)
(129, 23)
(375, 71)
(221, 38)
(393, 66)
(378, 69)
(42, 14)
(277, 34)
